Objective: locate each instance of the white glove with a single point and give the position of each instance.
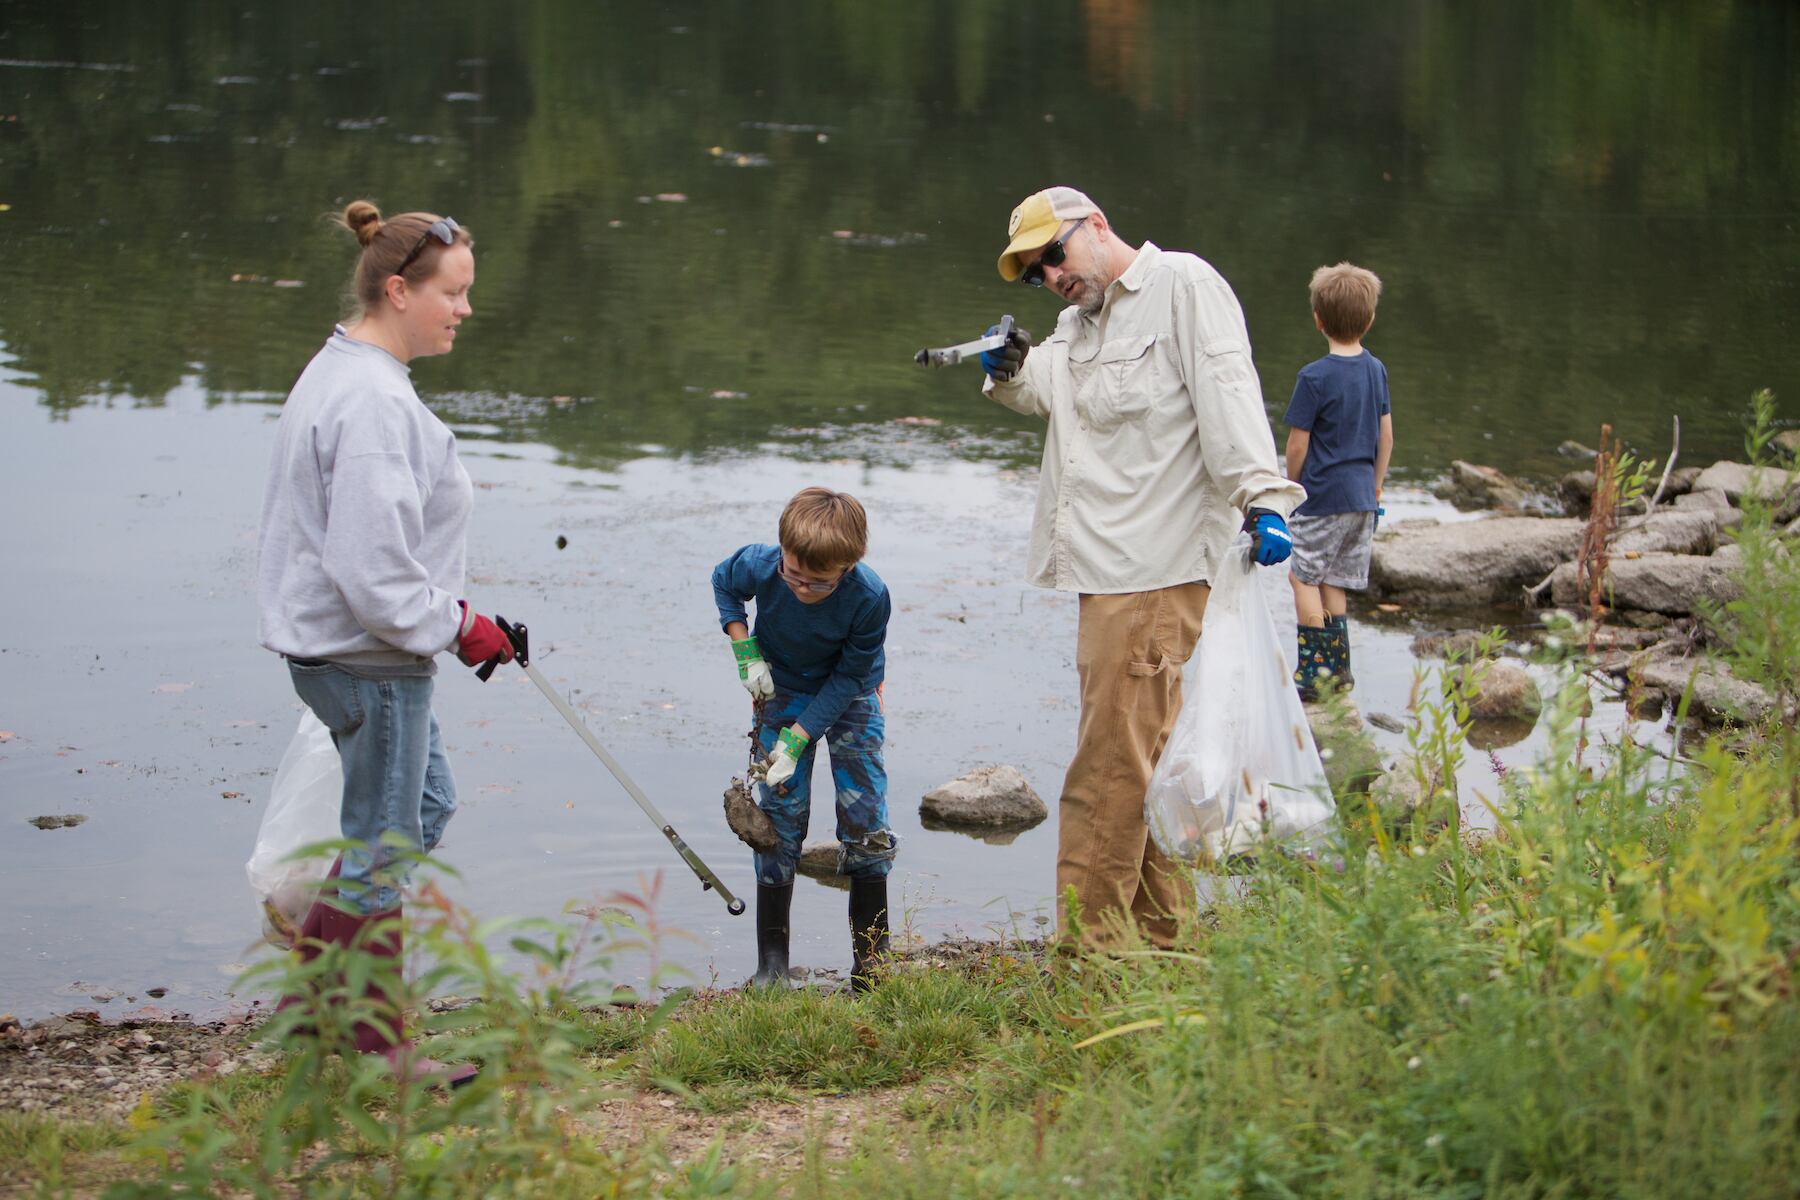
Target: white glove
(753, 672)
(788, 749)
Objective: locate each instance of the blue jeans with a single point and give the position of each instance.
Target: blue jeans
(396, 778)
(866, 844)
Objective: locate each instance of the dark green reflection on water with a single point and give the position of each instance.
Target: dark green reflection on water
(1584, 212)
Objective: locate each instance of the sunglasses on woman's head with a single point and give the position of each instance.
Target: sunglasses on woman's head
(1052, 256)
(444, 230)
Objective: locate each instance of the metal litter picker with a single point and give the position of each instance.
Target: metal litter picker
(518, 635)
(949, 356)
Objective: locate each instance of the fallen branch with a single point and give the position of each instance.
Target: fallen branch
(1674, 453)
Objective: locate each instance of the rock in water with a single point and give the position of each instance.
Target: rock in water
(987, 797)
(750, 823)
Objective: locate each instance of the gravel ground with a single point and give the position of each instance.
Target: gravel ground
(76, 1066)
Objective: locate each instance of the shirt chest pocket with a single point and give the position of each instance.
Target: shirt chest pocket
(1123, 384)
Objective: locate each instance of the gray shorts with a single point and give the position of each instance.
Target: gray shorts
(1333, 549)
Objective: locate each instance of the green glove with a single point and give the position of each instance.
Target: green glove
(753, 672)
(788, 749)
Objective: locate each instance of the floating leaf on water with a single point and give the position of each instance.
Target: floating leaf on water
(65, 821)
(672, 197)
(562, 543)
(290, 283)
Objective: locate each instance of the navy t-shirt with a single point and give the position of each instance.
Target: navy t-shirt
(832, 650)
(1340, 401)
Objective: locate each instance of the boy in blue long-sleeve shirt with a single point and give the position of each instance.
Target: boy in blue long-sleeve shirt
(814, 667)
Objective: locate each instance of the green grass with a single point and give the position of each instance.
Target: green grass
(918, 1023)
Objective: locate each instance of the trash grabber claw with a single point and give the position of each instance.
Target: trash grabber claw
(949, 356)
(520, 638)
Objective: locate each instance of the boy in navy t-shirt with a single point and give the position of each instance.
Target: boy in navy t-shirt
(1340, 436)
(814, 668)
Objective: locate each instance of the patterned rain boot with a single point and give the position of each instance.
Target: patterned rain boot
(1339, 628)
(1315, 661)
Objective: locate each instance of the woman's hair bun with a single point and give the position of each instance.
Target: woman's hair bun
(363, 219)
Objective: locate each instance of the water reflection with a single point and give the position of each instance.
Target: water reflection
(1584, 213)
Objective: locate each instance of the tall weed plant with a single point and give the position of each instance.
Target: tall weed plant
(332, 1122)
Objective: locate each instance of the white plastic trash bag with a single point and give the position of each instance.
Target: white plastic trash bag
(1241, 762)
(304, 808)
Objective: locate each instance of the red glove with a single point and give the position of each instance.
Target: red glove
(480, 640)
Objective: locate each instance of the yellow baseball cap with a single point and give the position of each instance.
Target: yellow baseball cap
(1035, 222)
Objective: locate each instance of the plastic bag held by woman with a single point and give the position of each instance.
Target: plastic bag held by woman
(1240, 763)
(303, 809)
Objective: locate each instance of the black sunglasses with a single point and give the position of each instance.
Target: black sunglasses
(1052, 256)
(444, 230)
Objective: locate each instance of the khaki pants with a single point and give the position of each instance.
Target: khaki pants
(1129, 655)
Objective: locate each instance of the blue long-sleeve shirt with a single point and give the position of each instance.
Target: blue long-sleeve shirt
(831, 650)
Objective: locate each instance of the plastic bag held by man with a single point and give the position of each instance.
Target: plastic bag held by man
(1240, 763)
(304, 808)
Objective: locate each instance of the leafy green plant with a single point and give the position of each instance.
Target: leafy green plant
(331, 1120)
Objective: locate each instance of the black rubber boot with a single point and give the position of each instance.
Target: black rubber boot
(868, 931)
(772, 905)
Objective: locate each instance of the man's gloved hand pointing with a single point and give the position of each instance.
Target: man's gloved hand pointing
(1270, 541)
(1002, 364)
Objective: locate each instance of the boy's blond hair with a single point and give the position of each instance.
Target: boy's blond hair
(1343, 298)
(824, 530)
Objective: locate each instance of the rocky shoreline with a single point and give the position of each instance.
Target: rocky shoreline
(1668, 557)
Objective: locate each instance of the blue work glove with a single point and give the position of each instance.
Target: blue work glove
(1002, 364)
(1270, 541)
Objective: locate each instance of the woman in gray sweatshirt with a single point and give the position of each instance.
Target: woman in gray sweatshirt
(360, 572)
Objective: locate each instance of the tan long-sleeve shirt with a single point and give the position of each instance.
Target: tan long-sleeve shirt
(1157, 437)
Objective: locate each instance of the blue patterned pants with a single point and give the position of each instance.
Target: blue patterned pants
(866, 844)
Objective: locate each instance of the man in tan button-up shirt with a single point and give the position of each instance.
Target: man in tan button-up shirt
(1158, 452)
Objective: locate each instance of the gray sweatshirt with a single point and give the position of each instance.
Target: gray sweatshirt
(363, 518)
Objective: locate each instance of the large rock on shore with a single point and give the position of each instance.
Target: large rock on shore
(1712, 500)
(1683, 531)
(1664, 583)
(1474, 486)
(1738, 480)
(1718, 694)
(1470, 562)
(987, 797)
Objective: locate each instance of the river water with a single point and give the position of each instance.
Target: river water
(709, 238)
